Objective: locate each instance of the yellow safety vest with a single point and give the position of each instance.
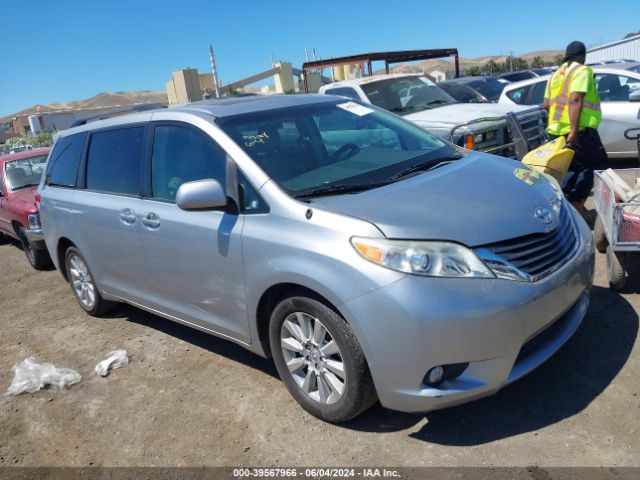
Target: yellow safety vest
(559, 91)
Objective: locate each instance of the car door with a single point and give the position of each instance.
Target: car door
(618, 113)
(5, 217)
(193, 258)
(107, 211)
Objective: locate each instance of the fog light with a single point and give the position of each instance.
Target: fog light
(442, 373)
(435, 376)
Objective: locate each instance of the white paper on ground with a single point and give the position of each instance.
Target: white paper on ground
(115, 359)
(31, 377)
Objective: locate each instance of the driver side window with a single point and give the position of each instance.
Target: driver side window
(180, 155)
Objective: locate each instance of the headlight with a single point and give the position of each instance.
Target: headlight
(433, 259)
(34, 221)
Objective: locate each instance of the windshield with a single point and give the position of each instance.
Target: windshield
(333, 144)
(490, 87)
(405, 95)
(25, 172)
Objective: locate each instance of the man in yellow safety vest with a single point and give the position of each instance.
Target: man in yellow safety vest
(574, 111)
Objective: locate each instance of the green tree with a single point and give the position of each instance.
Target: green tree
(473, 71)
(537, 62)
(632, 34)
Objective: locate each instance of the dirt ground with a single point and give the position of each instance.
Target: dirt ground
(189, 399)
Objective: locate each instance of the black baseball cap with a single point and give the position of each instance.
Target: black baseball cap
(575, 50)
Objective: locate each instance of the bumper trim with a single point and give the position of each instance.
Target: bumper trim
(35, 236)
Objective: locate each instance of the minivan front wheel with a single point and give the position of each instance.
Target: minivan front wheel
(84, 286)
(319, 359)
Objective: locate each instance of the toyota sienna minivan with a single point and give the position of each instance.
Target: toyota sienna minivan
(368, 258)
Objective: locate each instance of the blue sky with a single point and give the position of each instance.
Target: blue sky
(69, 50)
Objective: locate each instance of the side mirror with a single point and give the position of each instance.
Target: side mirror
(634, 96)
(204, 194)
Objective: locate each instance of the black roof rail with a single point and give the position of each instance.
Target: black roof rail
(142, 107)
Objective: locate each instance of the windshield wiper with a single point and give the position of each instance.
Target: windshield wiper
(425, 166)
(338, 189)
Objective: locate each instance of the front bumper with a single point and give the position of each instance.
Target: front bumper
(503, 329)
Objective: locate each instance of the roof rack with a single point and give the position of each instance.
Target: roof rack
(141, 107)
(388, 58)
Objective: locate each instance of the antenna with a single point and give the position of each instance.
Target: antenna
(216, 88)
(306, 54)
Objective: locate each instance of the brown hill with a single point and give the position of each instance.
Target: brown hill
(103, 99)
(444, 65)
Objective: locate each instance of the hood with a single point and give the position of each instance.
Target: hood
(458, 113)
(27, 198)
(474, 201)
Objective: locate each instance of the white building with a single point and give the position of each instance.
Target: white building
(629, 48)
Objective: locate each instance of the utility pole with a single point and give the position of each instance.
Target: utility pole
(511, 60)
(216, 88)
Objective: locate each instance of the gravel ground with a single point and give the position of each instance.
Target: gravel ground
(189, 399)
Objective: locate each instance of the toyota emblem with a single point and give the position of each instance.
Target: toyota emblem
(544, 215)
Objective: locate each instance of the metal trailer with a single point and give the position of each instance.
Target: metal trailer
(617, 228)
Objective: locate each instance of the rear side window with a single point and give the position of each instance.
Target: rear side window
(114, 161)
(62, 170)
(343, 92)
(519, 95)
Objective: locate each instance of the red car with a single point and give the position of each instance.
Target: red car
(19, 218)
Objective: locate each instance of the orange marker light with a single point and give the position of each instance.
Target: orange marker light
(373, 254)
(469, 142)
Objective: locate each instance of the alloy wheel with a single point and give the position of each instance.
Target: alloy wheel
(81, 281)
(313, 358)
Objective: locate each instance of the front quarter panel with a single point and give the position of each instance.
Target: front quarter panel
(284, 246)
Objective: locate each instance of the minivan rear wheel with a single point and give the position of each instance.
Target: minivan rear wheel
(84, 286)
(319, 359)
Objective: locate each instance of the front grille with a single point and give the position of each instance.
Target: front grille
(533, 128)
(539, 254)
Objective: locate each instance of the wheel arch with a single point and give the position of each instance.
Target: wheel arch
(271, 297)
(63, 245)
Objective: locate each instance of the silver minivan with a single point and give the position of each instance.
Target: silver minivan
(368, 258)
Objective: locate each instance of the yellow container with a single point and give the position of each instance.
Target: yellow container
(552, 158)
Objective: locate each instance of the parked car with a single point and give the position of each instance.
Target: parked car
(525, 74)
(486, 127)
(368, 257)
(619, 91)
(487, 87)
(20, 148)
(19, 218)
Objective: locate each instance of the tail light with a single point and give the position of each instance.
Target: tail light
(38, 199)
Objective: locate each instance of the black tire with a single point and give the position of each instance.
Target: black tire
(599, 237)
(615, 270)
(38, 258)
(358, 392)
(99, 305)
(3, 239)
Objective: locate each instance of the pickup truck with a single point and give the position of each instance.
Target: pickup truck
(19, 218)
(489, 127)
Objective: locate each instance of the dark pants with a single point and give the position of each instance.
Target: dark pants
(590, 155)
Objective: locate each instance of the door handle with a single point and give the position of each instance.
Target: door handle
(151, 220)
(127, 216)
